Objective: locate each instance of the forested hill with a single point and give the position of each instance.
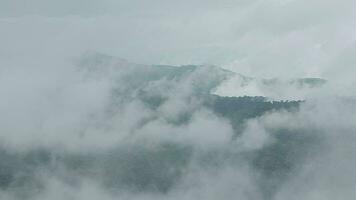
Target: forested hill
(240, 109)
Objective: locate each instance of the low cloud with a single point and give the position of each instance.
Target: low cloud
(100, 127)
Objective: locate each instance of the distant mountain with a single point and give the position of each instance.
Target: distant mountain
(273, 89)
(208, 79)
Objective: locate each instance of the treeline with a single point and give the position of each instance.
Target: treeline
(239, 109)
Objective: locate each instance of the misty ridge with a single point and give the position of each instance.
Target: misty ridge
(177, 100)
(116, 129)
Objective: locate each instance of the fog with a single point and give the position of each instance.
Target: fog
(84, 114)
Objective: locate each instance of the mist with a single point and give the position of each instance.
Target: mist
(143, 100)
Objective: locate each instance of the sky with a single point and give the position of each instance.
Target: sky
(264, 38)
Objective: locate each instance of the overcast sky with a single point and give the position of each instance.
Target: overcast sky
(266, 38)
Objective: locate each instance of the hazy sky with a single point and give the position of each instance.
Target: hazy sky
(267, 38)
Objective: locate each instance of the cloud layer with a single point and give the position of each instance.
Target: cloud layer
(100, 127)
